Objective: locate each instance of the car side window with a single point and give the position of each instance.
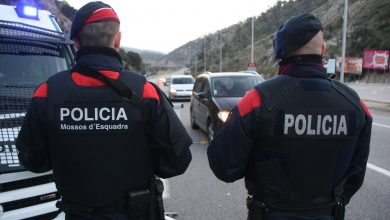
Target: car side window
(198, 85)
(206, 87)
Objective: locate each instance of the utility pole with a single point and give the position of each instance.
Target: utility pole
(220, 51)
(189, 58)
(196, 60)
(344, 41)
(253, 31)
(204, 54)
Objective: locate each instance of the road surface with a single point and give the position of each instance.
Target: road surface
(198, 194)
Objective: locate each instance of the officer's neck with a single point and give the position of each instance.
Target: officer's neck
(108, 51)
(100, 57)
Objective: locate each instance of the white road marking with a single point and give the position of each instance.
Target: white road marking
(381, 125)
(166, 188)
(378, 169)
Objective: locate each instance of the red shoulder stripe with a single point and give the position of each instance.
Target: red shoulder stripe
(365, 109)
(83, 80)
(249, 102)
(150, 92)
(41, 91)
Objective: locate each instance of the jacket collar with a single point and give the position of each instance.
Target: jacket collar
(309, 65)
(100, 58)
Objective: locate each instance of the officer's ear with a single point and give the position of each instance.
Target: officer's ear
(323, 49)
(117, 40)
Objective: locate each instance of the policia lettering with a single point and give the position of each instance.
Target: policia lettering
(92, 118)
(104, 114)
(314, 124)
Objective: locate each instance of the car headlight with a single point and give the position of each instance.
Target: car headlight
(223, 115)
(172, 90)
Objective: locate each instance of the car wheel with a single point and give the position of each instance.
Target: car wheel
(192, 119)
(210, 130)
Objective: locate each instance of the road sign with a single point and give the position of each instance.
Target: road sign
(251, 67)
(331, 66)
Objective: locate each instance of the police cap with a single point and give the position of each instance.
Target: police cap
(90, 13)
(295, 33)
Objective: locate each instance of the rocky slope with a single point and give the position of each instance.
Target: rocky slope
(368, 26)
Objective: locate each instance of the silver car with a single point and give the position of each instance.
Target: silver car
(180, 87)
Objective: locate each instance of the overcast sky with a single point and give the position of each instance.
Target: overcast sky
(164, 25)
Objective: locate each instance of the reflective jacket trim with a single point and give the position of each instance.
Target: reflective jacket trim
(284, 68)
(366, 109)
(41, 91)
(249, 102)
(83, 80)
(150, 92)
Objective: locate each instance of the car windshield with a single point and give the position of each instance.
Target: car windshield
(29, 70)
(184, 80)
(235, 86)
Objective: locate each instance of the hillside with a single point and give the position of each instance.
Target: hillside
(148, 56)
(368, 24)
(64, 13)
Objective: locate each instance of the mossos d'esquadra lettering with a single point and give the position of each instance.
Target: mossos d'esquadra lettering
(315, 124)
(94, 114)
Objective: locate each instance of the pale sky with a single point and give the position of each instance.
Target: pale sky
(164, 25)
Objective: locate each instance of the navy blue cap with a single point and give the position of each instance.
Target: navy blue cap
(89, 13)
(295, 33)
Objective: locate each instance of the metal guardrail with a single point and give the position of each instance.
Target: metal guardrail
(377, 101)
(377, 104)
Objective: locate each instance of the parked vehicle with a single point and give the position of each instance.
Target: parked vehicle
(253, 72)
(180, 87)
(214, 95)
(32, 48)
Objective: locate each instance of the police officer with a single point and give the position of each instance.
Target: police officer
(103, 148)
(301, 140)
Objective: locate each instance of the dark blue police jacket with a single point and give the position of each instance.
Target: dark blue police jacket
(95, 141)
(301, 141)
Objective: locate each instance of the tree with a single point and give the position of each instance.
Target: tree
(134, 60)
(131, 60)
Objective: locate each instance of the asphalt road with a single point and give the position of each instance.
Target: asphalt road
(198, 194)
(380, 92)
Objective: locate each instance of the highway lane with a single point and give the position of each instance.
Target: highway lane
(380, 139)
(372, 91)
(198, 194)
(372, 201)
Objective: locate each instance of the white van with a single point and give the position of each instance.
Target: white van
(180, 87)
(32, 48)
